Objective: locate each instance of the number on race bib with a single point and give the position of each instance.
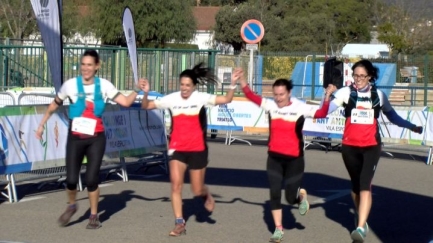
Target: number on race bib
(359, 116)
(84, 125)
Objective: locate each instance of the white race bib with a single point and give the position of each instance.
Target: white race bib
(84, 125)
(362, 116)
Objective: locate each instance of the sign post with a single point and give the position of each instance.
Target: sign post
(252, 32)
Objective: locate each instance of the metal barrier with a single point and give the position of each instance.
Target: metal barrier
(6, 189)
(6, 99)
(115, 166)
(37, 99)
(39, 174)
(4, 181)
(430, 156)
(12, 179)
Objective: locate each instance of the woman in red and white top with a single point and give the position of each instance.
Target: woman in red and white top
(88, 95)
(361, 143)
(286, 145)
(187, 146)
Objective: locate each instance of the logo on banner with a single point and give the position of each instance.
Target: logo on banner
(128, 30)
(129, 35)
(45, 12)
(48, 20)
(3, 146)
(44, 3)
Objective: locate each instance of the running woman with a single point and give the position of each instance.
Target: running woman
(361, 145)
(285, 161)
(87, 94)
(187, 146)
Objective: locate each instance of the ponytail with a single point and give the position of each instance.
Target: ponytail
(200, 75)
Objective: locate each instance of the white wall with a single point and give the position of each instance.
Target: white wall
(204, 39)
(364, 50)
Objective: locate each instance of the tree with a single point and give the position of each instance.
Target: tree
(270, 12)
(300, 34)
(229, 21)
(338, 22)
(217, 2)
(71, 19)
(295, 25)
(422, 36)
(405, 27)
(156, 22)
(17, 19)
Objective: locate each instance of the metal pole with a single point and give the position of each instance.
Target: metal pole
(426, 78)
(251, 69)
(211, 56)
(14, 188)
(313, 77)
(303, 80)
(305, 71)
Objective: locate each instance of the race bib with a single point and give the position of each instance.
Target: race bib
(84, 125)
(362, 116)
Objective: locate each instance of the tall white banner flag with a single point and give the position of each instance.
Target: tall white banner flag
(129, 30)
(47, 14)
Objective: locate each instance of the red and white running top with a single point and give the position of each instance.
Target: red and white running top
(286, 123)
(188, 119)
(359, 131)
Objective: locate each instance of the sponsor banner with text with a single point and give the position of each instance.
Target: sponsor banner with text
(129, 131)
(243, 115)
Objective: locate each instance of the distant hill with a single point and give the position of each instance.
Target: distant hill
(415, 7)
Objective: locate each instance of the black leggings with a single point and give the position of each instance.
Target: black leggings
(289, 171)
(76, 148)
(361, 163)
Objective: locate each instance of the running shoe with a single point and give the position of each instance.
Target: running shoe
(304, 206)
(358, 235)
(366, 228)
(277, 237)
(179, 229)
(67, 215)
(94, 222)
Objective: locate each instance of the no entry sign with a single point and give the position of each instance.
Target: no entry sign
(252, 31)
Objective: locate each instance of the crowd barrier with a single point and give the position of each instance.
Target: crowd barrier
(243, 115)
(139, 134)
(132, 133)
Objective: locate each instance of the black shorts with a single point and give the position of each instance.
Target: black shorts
(195, 160)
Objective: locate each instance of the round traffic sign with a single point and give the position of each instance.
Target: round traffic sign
(252, 31)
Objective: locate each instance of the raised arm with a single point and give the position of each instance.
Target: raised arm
(338, 99)
(127, 100)
(257, 99)
(145, 102)
(229, 96)
(323, 111)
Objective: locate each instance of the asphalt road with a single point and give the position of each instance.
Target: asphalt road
(140, 210)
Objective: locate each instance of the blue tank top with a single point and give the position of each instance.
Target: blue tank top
(76, 109)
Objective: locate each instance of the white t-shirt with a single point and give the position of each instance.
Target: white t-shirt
(69, 89)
